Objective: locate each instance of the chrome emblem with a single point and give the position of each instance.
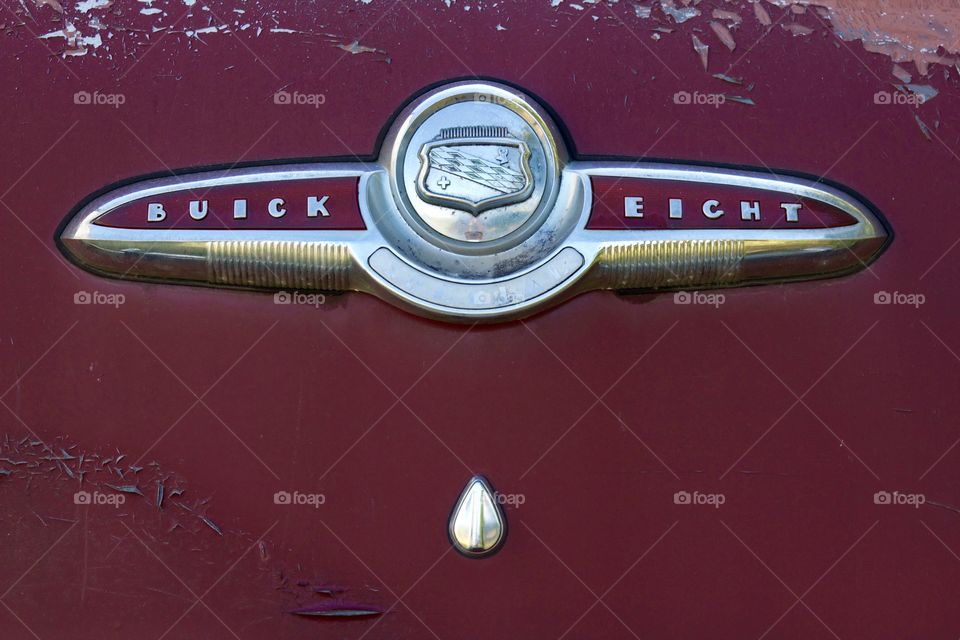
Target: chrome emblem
(475, 169)
(477, 526)
(474, 211)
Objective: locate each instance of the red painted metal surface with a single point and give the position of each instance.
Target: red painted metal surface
(797, 403)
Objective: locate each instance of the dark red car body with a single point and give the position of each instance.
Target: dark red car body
(797, 403)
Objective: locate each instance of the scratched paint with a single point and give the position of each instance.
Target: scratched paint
(921, 35)
(145, 507)
(108, 30)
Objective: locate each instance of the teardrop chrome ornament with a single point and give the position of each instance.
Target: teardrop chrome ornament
(477, 525)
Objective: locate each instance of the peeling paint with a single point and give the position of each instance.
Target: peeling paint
(901, 74)
(701, 50)
(921, 35)
(103, 28)
(48, 472)
(797, 29)
(914, 33)
(679, 15)
(762, 15)
(723, 33)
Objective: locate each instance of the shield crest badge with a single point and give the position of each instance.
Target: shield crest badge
(475, 169)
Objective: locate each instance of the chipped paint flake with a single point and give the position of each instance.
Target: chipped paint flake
(53, 4)
(355, 47)
(701, 50)
(797, 29)
(925, 91)
(762, 15)
(724, 34)
(86, 6)
(901, 74)
(679, 14)
(741, 100)
(903, 33)
(726, 78)
(729, 16)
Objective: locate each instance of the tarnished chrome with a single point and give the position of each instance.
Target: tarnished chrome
(498, 239)
(477, 525)
(475, 169)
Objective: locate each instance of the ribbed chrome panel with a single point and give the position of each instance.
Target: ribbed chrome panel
(640, 265)
(324, 266)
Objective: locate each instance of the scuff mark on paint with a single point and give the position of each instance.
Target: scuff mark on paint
(337, 610)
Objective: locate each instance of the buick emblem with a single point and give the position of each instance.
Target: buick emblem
(475, 169)
(475, 211)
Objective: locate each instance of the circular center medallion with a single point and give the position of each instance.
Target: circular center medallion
(475, 171)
